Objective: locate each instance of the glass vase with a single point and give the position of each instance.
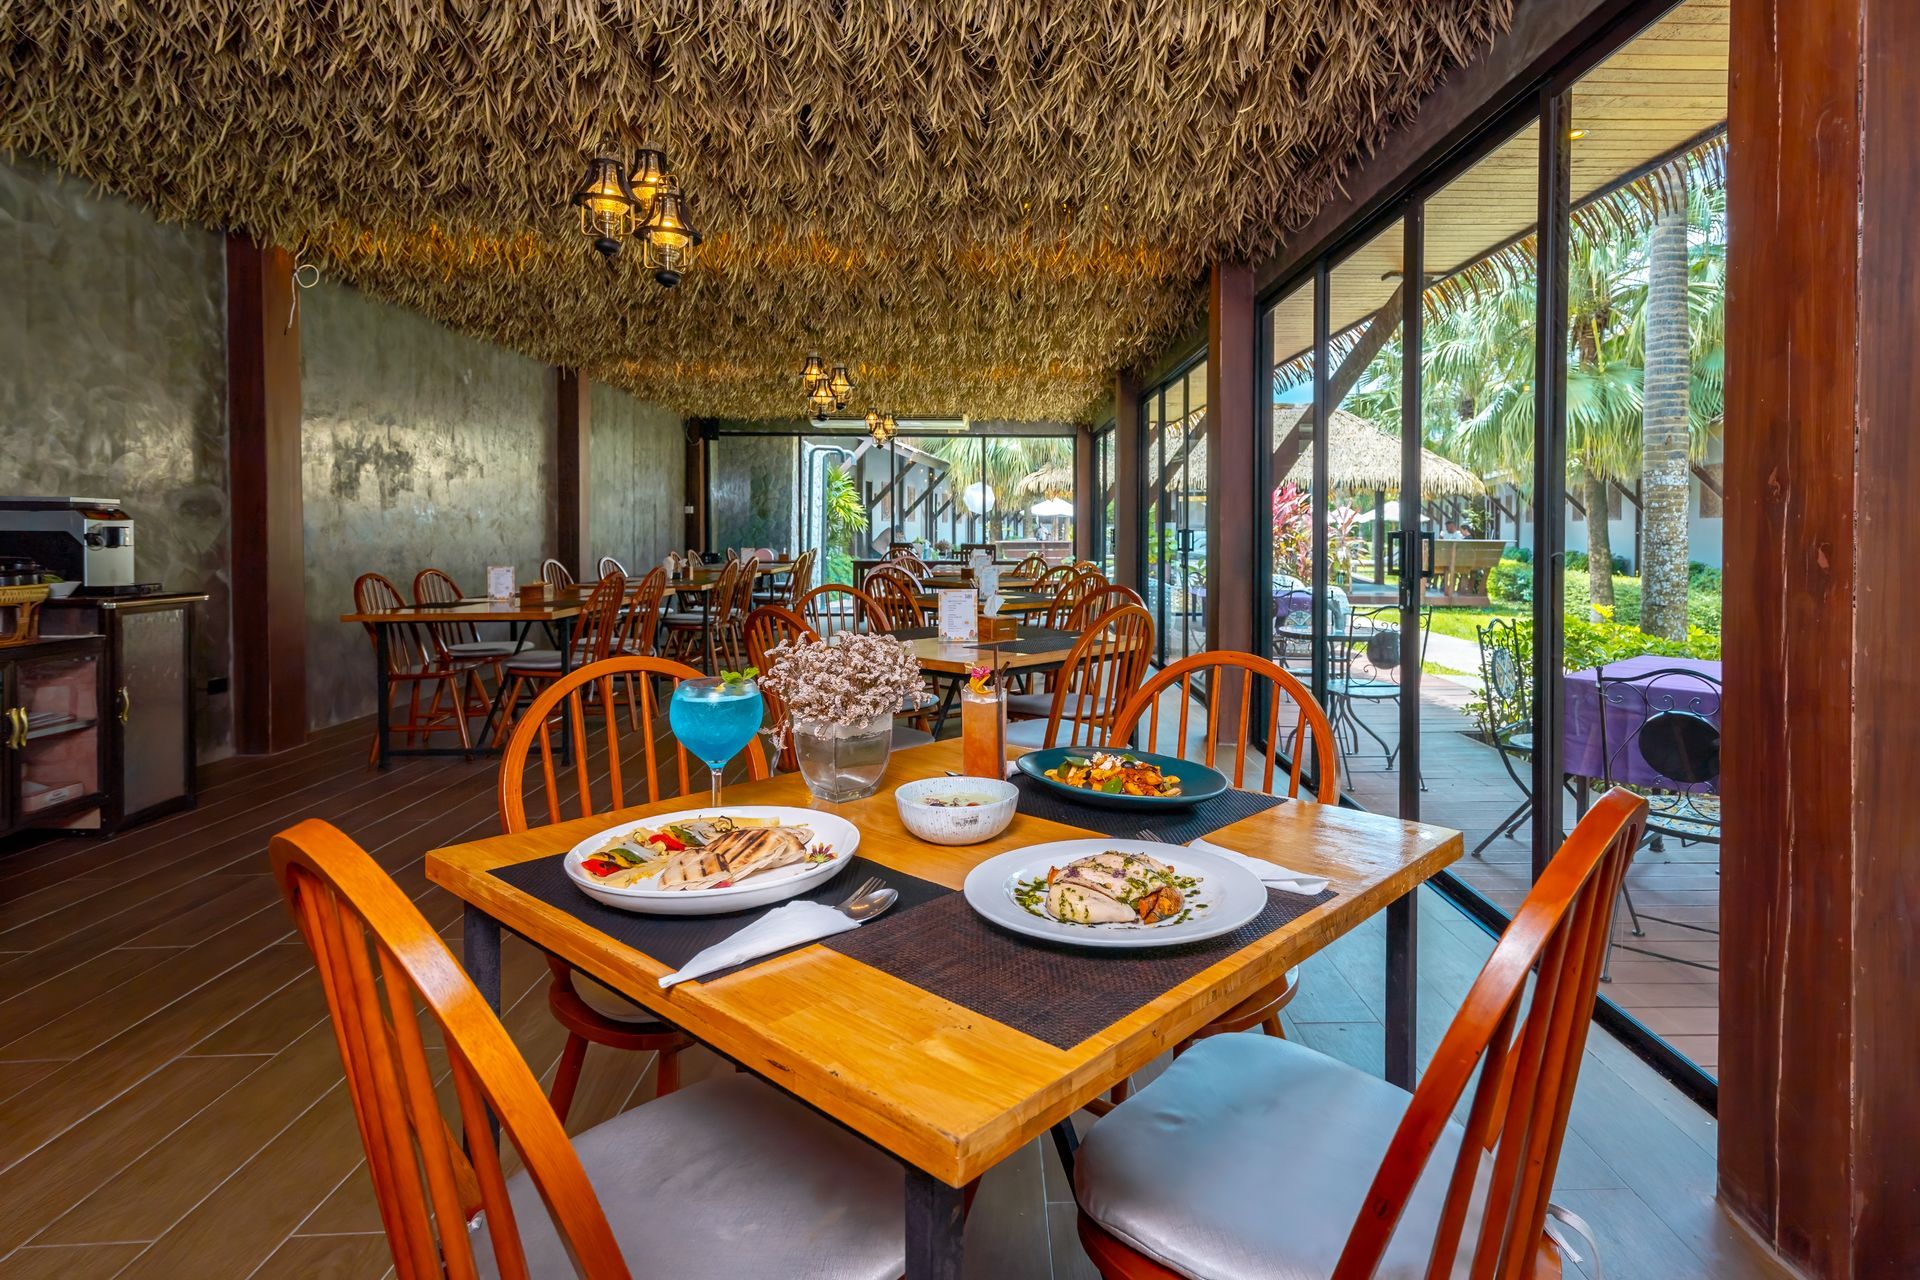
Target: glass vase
(843, 762)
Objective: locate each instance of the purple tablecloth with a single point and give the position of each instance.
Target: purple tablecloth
(1627, 709)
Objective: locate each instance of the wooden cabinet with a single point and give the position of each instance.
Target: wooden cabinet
(146, 695)
(53, 735)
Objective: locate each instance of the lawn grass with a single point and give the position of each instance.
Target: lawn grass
(1703, 608)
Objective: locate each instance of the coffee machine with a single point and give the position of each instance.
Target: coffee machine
(88, 541)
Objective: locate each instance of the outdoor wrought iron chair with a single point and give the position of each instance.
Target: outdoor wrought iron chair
(1508, 720)
(1663, 743)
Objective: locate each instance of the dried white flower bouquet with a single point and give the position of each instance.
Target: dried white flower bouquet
(847, 682)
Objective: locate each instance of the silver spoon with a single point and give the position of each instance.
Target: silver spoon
(867, 906)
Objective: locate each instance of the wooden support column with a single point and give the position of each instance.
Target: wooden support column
(1129, 529)
(1231, 445)
(1086, 492)
(696, 486)
(573, 432)
(263, 470)
(1819, 1018)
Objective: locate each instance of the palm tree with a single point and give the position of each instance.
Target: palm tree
(1008, 460)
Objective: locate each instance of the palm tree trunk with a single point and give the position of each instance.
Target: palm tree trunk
(1664, 432)
(1599, 539)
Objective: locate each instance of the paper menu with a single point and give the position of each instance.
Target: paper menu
(987, 580)
(500, 582)
(959, 615)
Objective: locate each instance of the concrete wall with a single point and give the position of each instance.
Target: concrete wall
(638, 451)
(113, 383)
(419, 447)
(752, 492)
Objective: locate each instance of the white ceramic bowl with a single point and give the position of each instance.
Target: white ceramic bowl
(61, 590)
(948, 824)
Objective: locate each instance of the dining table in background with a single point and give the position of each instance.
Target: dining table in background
(946, 1090)
(1030, 650)
(555, 614)
(1667, 683)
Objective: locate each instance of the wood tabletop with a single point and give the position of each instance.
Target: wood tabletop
(957, 657)
(943, 1088)
(564, 605)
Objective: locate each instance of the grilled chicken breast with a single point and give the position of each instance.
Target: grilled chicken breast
(1112, 888)
(733, 856)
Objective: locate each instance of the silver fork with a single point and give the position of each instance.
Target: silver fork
(872, 883)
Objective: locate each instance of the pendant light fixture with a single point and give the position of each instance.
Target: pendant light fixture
(841, 386)
(820, 400)
(813, 373)
(606, 205)
(668, 237)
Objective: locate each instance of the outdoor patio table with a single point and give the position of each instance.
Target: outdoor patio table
(1581, 749)
(947, 1090)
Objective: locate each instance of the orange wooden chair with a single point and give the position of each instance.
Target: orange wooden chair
(768, 627)
(892, 602)
(1203, 1174)
(833, 607)
(413, 660)
(728, 627)
(593, 1013)
(1093, 685)
(1308, 731)
(1097, 601)
(461, 640)
(800, 581)
(599, 1205)
(1067, 598)
(1053, 579)
(555, 574)
(1033, 566)
(599, 626)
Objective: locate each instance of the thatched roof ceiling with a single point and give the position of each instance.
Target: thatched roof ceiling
(1364, 457)
(987, 207)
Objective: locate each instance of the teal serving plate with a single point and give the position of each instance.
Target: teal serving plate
(1197, 781)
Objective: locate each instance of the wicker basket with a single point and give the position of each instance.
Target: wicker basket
(20, 614)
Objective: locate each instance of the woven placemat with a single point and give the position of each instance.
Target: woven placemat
(674, 940)
(1027, 640)
(1057, 994)
(1171, 826)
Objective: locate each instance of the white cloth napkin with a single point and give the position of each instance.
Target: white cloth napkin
(1271, 873)
(788, 926)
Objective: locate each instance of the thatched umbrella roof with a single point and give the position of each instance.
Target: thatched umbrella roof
(967, 204)
(1365, 457)
(1047, 482)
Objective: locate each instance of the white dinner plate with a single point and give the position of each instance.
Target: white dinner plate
(1226, 897)
(756, 891)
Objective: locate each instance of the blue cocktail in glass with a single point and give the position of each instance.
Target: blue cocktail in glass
(715, 719)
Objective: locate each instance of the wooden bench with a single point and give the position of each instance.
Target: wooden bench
(1460, 569)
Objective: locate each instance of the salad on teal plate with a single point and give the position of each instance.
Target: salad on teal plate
(1121, 778)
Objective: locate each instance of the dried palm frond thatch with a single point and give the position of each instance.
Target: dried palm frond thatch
(987, 206)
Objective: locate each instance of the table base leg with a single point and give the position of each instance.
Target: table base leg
(1403, 968)
(480, 955)
(935, 1227)
(1066, 1141)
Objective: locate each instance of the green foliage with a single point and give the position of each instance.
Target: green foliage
(846, 516)
(1510, 582)
(1577, 563)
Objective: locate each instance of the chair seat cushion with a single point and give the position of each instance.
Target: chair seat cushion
(727, 1179)
(1033, 733)
(905, 735)
(610, 1004)
(481, 648)
(536, 660)
(682, 618)
(1249, 1159)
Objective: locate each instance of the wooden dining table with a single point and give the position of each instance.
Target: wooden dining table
(556, 614)
(947, 1091)
(1031, 649)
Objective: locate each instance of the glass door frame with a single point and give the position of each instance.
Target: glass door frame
(1545, 102)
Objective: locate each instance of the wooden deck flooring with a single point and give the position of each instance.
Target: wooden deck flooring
(171, 1103)
(1467, 788)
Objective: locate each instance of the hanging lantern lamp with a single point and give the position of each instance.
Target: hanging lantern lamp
(841, 386)
(813, 373)
(606, 205)
(668, 236)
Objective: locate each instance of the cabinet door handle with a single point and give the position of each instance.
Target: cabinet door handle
(25, 724)
(17, 717)
(126, 704)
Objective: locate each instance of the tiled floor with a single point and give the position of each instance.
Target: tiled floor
(171, 1102)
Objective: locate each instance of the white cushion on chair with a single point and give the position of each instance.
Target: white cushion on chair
(905, 736)
(1249, 1159)
(682, 618)
(727, 1179)
(536, 659)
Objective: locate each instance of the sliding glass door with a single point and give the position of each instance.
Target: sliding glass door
(1176, 512)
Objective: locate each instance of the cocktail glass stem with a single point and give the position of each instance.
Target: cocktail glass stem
(716, 785)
